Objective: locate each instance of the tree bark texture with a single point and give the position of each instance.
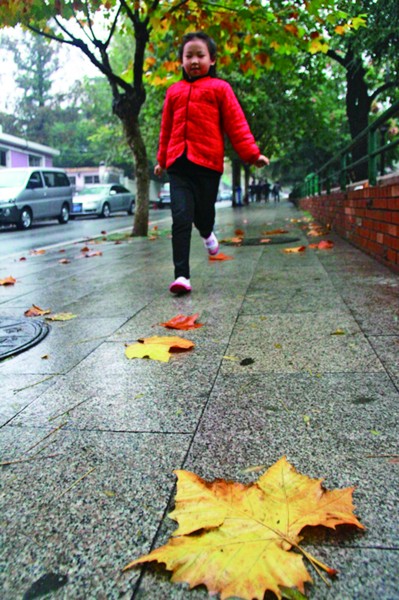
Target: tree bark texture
(125, 108)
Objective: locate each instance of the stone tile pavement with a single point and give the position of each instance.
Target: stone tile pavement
(103, 434)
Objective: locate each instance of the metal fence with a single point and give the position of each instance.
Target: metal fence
(339, 169)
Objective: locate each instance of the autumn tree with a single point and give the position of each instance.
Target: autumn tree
(252, 36)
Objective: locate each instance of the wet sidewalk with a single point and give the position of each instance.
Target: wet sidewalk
(298, 357)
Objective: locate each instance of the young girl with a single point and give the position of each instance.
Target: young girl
(197, 112)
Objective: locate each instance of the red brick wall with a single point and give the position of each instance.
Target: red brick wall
(368, 218)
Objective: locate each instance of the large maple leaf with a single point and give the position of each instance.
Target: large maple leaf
(236, 539)
(158, 347)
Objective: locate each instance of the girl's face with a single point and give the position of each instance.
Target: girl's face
(196, 59)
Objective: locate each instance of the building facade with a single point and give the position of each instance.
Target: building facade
(19, 152)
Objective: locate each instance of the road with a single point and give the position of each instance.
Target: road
(47, 234)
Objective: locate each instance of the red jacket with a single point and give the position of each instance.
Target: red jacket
(195, 116)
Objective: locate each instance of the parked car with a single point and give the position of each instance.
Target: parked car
(101, 200)
(163, 196)
(30, 193)
(225, 194)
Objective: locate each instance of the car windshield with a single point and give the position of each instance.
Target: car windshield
(90, 191)
(13, 178)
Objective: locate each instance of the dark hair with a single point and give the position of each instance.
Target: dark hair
(211, 45)
(200, 35)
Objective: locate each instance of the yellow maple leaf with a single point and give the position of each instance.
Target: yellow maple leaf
(61, 317)
(236, 539)
(158, 347)
(8, 280)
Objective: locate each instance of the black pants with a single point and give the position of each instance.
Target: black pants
(193, 193)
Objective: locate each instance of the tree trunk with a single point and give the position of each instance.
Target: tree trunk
(358, 104)
(236, 177)
(125, 108)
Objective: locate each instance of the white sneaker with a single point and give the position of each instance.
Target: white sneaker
(211, 244)
(180, 286)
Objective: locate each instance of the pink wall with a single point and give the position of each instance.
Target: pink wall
(19, 159)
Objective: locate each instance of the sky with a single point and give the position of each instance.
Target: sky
(73, 66)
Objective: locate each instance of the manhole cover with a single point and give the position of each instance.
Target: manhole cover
(17, 335)
(280, 239)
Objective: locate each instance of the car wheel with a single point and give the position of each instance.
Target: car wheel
(25, 218)
(106, 211)
(64, 216)
(130, 210)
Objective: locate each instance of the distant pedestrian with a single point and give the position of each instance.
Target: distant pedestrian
(252, 190)
(276, 191)
(197, 112)
(266, 190)
(238, 192)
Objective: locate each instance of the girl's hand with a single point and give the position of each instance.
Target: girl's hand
(158, 170)
(262, 161)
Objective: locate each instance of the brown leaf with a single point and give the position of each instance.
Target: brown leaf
(275, 232)
(294, 250)
(36, 311)
(220, 256)
(64, 261)
(182, 322)
(325, 245)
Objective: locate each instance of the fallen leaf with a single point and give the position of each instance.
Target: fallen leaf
(92, 253)
(158, 347)
(61, 317)
(236, 240)
(239, 232)
(85, 249)
(36, 311)
(294, 250)
(254, 469)
(236, 539)
(8, 280)
(103, 232)
(265, 240)
(64, 261)
(325, 245)
(275, 232)
(230, 358)
(37, 252)
(182, 322)
(22, 258)
(44, 357)
(338, 332)
(220, 256)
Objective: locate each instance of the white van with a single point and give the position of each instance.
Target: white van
(31, 193)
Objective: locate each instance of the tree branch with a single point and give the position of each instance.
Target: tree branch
(343, 61)
(78, 43)
(386, 86)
